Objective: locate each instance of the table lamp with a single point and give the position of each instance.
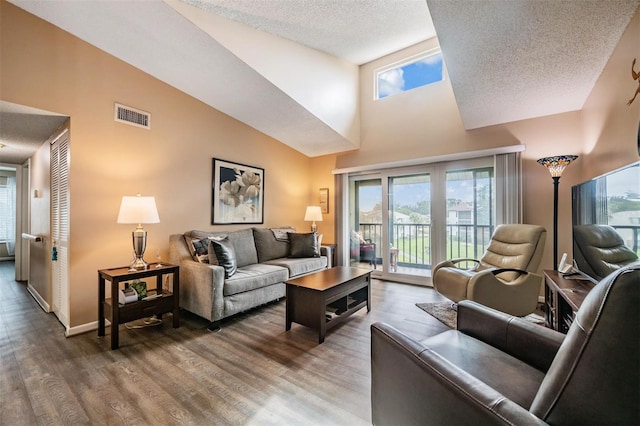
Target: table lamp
(138, 210)
(313, 214)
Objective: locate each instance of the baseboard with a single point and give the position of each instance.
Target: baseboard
(84, 328)
(43, 303)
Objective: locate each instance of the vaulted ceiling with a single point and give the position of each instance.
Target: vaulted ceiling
(289, 68)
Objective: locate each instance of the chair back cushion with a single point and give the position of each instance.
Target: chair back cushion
(595, 376)
(517, 246)
(599, 250)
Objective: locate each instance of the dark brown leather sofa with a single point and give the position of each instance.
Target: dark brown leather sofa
(498, 369)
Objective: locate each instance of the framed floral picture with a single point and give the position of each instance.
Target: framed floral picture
(237, 193)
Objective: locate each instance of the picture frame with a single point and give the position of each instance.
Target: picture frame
(237, 193)
(324, 200)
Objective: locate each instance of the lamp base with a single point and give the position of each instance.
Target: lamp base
(139, 237)
(138, 264)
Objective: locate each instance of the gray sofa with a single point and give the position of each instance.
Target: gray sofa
(263, 261)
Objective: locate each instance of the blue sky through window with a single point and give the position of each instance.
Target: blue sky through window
(424, 70)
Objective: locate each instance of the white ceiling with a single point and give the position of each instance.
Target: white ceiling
(358, 31)
(507, 59)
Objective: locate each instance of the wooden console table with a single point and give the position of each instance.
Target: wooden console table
(563, 297)
(119, 314)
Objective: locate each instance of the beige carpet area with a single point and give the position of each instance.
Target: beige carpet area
(442, 312)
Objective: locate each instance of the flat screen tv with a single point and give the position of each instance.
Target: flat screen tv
(611, 199)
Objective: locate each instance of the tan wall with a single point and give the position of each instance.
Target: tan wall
(610, 125)
(47, 68)
(322, 178)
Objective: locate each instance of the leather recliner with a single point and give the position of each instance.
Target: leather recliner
(599, 250)
(504, 278)
(499, 369)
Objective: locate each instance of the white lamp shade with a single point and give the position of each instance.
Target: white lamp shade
(138, 209)
(313, 214)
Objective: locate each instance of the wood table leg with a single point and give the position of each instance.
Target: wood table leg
(176, 302)
(288, 306)
(115, 316)
(101, 297)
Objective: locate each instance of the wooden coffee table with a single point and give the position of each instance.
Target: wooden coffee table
(324, 299)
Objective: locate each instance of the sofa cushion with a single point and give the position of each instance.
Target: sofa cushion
(225, 255)
(300, 266)
(513, 378)
(303, 245)
(242, 241)
(268, 247)
(254, 276)
(244, 246)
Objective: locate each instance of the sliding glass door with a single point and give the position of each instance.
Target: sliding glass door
(409, 224)
(404, 221)
(365, 221)
(470, 215)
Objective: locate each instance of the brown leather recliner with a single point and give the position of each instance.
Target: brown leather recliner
(499, 369)
(599, 250)
(504, 278)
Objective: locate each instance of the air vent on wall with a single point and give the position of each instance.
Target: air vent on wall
(133, 116)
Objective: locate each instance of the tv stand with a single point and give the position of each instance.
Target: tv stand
(563, 295)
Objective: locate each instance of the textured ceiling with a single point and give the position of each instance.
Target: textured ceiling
(511, 60)
(23, 130)
(507, 59)
(358, 31)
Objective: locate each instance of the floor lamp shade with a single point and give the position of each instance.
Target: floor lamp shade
(556, 166)
(313, 214)
(138, 210)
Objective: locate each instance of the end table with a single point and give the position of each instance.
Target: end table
(159, 301)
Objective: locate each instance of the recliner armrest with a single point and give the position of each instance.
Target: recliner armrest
(410, 384)
(531, 343)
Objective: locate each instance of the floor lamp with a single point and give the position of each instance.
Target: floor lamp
(556, 165)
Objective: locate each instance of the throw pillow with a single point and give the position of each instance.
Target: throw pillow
(225, 255)
(268, 246)
(199, 249)
(303, 245)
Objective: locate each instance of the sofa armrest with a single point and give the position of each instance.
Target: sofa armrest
(410, 384)
(531, 343)
(327, 251)
(201, 289)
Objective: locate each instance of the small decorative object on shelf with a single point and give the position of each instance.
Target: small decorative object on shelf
(140, 287)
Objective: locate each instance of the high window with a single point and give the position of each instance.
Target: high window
(411, 73)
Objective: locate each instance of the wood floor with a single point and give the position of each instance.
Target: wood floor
(252, 372)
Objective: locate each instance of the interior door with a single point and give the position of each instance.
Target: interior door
(60, 226)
